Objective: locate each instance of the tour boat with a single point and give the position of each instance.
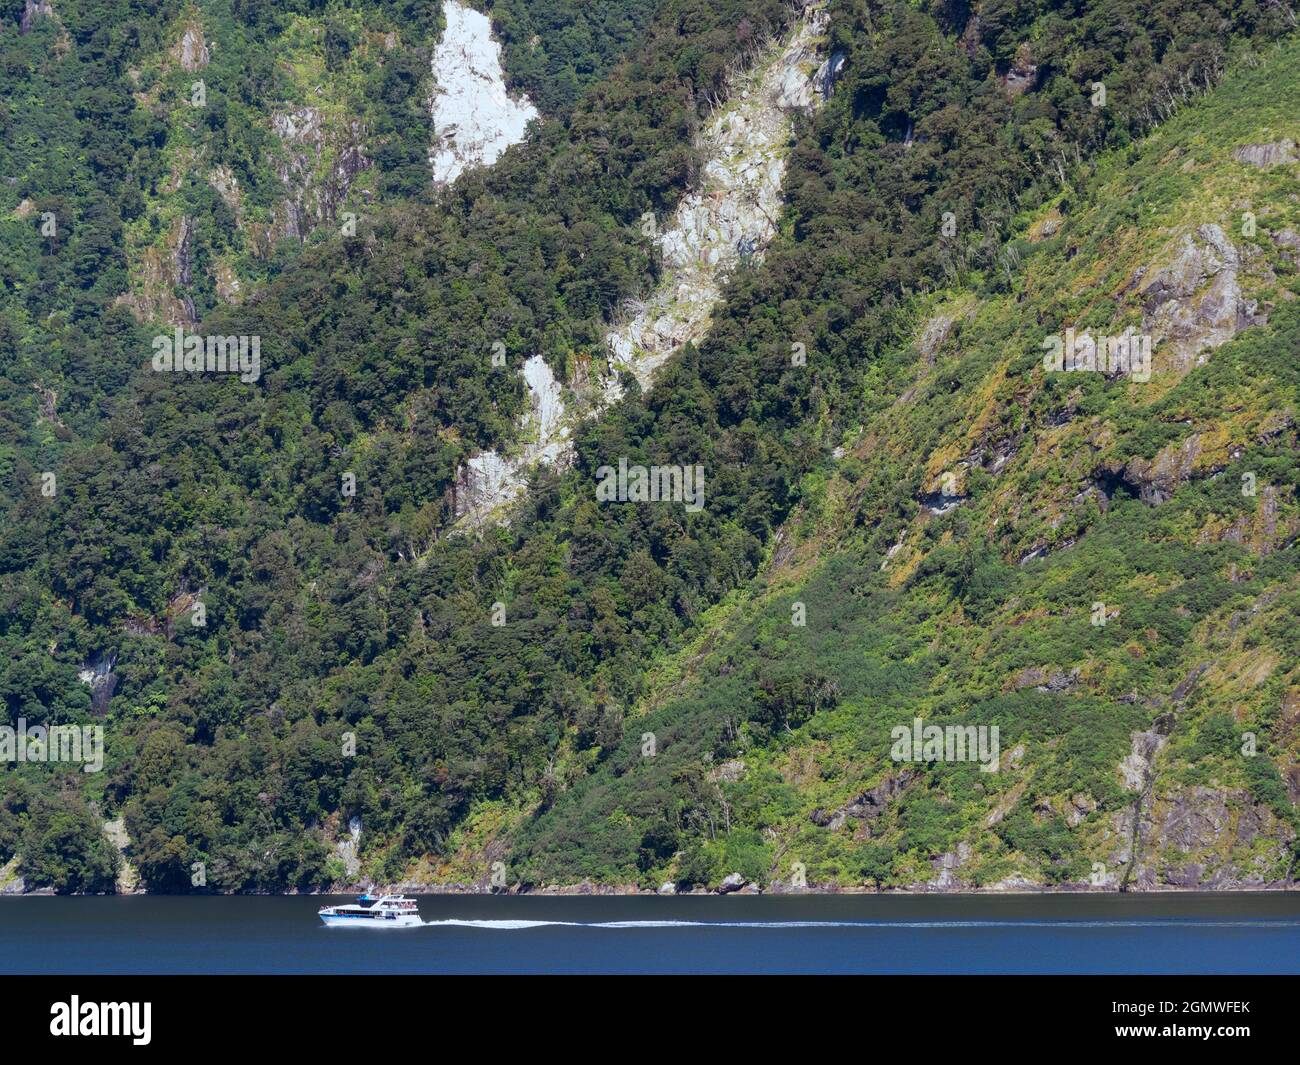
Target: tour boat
(373, 911)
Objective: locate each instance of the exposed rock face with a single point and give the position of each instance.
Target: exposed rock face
(729, 772)
(1013, 883)
(1184, 688)
(128, 880)
(1023, 73)
(1195, 304)
(1188, 825)
(829, 74)
(314, 199)
(933, 336)
(1182, 838)
(485, 483)
(1261, 532)
(184, 252)
(1043, 680)
(1289, 241)
(947, 865)
(1007, 802)
(1276, 153)
(160, 269)
(732, 215)
(1047, 226)
(347, 849)
(1134, 824)
(1157, 479)
(940, 502)
(10, 882)
(489, 481)
(301, 125)
(1080, 807)
(867, 806)
(474, 119)
(300, 131)
(731, 882)
(1138, 765)
(33, 10)
(99, 676)
(1189, 831)
(226, 184)
(191, 50)
(49, 410)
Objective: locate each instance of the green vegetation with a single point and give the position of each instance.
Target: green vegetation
(329, 616)
(953, 630)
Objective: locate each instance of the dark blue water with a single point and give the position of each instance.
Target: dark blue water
(736, 934)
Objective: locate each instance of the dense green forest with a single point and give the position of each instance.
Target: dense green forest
(348, 663)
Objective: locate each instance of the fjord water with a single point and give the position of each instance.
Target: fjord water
(1184, 933)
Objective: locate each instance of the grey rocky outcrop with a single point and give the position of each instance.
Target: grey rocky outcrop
(97, 673)
(732, 882)
(1289, 241)
(33, 10)
(1138, 766)
(1046, 680)
(192, 50)
(732, 214)
(128, 878)
(347, 849)
(314, 195)
(1022, 75)
(933, 336)
(10, 882)
(1157, 479)
(1080, 806)
(1195, 304)
(947, 866)
(1274, 153)
(1186, 834)
(867, 806)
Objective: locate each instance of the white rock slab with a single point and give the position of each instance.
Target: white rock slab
(474, 118)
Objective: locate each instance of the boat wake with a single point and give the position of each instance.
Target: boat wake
(518, 926)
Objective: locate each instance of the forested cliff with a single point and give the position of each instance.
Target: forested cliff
(367, 612)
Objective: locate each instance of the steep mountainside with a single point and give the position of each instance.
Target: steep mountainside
(1100, 566)
(814, 269)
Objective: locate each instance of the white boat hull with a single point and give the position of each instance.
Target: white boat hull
(404, 920)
